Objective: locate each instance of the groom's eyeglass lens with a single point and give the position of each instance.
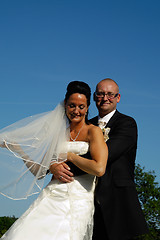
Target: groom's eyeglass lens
(110, 95)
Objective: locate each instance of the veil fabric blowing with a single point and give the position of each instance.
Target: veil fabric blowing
(27, 148)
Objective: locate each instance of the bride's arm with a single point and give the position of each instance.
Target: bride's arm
(99, 153)
(30, 164)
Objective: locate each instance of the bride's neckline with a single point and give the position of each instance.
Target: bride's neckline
(78, 142)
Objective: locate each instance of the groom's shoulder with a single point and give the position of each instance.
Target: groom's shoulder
(94, 120)
(124, 117)
(118, 116)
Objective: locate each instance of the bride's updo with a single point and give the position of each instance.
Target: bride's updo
(79, 87)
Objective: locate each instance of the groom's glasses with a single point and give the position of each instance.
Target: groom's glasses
(109, 95)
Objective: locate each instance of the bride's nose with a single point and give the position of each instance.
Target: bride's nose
(76, 110)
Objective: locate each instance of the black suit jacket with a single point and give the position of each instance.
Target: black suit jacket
(116, 191)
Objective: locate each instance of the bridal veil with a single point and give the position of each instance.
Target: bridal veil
(27, 148)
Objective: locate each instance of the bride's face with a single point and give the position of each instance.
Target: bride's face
(76, 107)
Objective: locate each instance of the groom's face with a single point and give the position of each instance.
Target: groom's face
(105, 104)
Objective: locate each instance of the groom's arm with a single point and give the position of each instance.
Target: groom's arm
(61, 171)
(65, 171)
(123, 139)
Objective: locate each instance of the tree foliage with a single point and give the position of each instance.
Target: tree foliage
(149, 195)
(5, 223)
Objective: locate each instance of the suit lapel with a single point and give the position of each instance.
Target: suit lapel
(113, 119)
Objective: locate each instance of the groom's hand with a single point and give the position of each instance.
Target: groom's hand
(61, 171)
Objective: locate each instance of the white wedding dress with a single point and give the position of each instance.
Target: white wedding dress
(63, 211)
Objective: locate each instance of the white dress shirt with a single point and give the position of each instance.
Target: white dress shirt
(104, 120)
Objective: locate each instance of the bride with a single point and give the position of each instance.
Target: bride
(63, 211)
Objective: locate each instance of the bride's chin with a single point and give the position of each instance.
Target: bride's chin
(76, 120)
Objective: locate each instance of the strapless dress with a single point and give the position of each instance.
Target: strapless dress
(62, 211)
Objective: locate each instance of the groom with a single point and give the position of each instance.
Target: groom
(118, 215)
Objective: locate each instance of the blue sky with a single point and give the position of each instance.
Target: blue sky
(45, 44)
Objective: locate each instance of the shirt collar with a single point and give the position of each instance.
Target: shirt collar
(107, 117)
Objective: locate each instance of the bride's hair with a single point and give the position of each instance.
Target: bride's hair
(79, 87)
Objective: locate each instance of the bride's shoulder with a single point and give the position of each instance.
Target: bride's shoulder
(92, 129)
(95, 134)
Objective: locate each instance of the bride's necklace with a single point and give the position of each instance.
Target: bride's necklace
(74, 139)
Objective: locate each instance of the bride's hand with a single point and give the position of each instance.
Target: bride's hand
(3, 145)
(14, 147)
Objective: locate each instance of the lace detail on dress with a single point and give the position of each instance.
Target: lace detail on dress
(78, 147)
(81, 207)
